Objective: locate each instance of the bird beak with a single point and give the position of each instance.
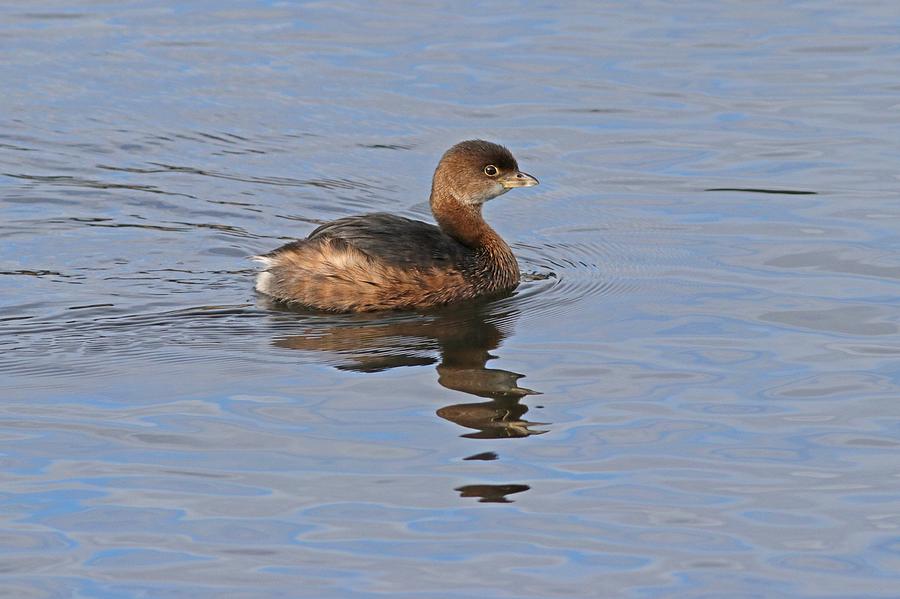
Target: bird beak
(517, 179)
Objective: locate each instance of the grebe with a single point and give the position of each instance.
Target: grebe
(380, 261)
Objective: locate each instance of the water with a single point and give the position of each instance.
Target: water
(693, 394)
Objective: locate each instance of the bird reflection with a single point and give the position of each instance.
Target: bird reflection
(459, 340)
(463, 337)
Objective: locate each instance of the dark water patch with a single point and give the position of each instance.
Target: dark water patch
(491, 493)
(387, 146)
(486, 456)
(90, 306)
(760, 190)
(34, 273)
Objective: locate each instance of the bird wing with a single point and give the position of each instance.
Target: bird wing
(395, 240)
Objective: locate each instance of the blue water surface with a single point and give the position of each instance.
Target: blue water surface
(694, 392)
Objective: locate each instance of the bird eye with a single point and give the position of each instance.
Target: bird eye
(491, 170)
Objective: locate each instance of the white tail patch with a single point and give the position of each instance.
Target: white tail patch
(264, 282)
(264, 278)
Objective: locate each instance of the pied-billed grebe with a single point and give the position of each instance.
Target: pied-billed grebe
(381, 261)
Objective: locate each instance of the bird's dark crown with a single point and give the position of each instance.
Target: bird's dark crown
(478, 153)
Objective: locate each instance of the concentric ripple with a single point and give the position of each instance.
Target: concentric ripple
(558, 275)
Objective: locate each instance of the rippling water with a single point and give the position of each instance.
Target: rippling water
(693, 393)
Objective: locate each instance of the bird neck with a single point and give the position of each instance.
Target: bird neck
(462, 221)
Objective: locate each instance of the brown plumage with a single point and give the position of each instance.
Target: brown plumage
(381, 261)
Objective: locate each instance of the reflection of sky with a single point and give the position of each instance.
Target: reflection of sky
(718, 368)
